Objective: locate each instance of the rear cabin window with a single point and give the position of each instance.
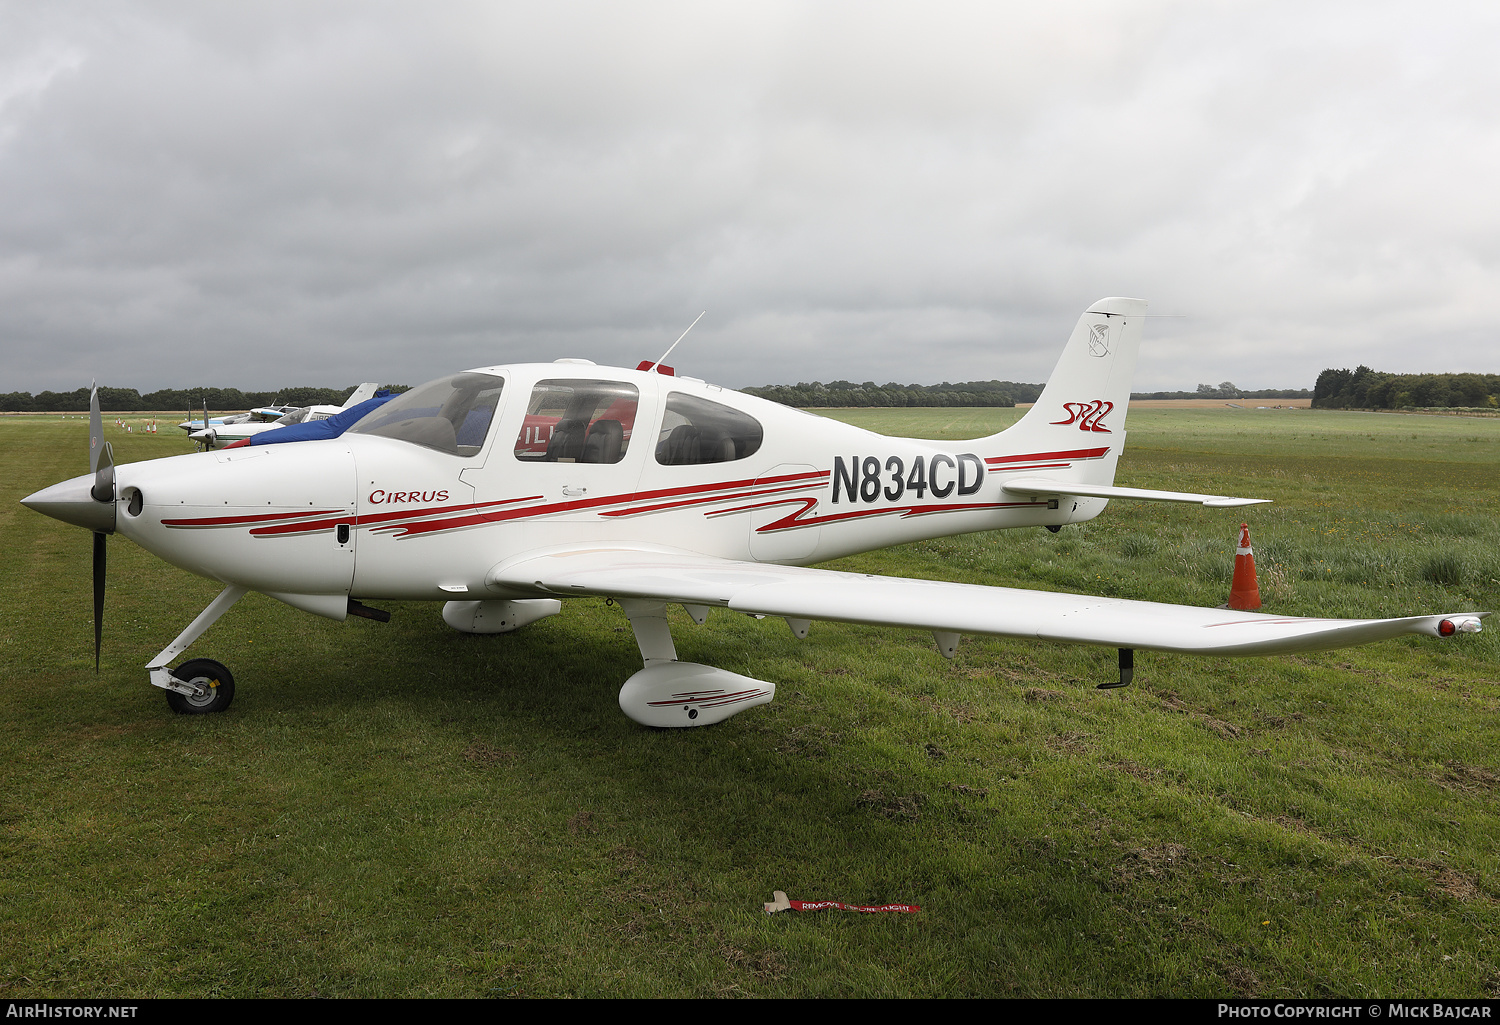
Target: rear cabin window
(451, 415)
(695, 430)
(578, 422)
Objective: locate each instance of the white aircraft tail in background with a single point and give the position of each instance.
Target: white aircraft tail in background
(360, 394)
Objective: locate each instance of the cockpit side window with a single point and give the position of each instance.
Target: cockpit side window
(695, 430)
(570, 421)
(451, 415)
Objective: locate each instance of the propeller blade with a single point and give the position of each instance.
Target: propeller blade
(102, 466)
(104, 476)
(96, 429)
(98, 596)
(101, 455)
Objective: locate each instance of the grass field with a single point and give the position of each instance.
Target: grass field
(404, 810)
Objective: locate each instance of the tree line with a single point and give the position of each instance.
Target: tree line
(126, 400)
(1227, 390)
(971, 393)
(1363, 388)
(803, 394)
(845, 393)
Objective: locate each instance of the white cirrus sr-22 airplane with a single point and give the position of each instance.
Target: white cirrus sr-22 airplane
(501, 490)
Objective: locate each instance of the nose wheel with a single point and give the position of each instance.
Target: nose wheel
(211, 683)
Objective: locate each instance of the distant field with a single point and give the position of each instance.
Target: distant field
(401, 810)
(164, 417)
(1220, 403)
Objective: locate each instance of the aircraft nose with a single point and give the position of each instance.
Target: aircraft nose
(72, 503)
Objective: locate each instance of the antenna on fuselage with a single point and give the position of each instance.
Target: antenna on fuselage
(680, 338)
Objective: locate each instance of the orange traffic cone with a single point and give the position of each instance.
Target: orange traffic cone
(1244, 593)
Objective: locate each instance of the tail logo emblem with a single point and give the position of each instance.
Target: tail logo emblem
(1089, 416)
(1099, 340)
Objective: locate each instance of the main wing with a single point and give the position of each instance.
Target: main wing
(804, 593)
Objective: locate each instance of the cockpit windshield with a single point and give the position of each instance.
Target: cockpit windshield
(452, 414)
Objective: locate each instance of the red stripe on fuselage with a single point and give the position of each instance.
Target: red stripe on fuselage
(1028, 457)
(447, 516)
(430, 519)
(497, 516)
(686, 503)
(639, 496)
(233, 521)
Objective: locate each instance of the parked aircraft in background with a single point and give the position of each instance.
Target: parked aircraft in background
(248, 425)
(191, 426)
(502, 491)
(263, 414)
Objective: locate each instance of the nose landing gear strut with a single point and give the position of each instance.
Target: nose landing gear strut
(201, 685)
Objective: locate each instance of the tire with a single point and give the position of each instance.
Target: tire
(208, 670)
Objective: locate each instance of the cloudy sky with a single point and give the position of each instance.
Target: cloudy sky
(270, 194)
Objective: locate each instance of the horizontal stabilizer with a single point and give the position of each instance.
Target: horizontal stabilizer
(1037, 486)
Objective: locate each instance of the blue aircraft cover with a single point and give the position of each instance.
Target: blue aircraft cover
(330, 427)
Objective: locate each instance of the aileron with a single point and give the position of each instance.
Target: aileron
(1039, 487)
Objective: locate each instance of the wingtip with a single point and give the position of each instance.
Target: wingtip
(1235, 503)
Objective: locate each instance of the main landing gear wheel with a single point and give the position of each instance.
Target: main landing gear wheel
(215, 687)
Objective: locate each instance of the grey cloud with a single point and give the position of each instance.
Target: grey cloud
(259, 195)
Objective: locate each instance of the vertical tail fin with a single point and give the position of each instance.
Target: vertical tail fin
(362, 393)
(1083, 406)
